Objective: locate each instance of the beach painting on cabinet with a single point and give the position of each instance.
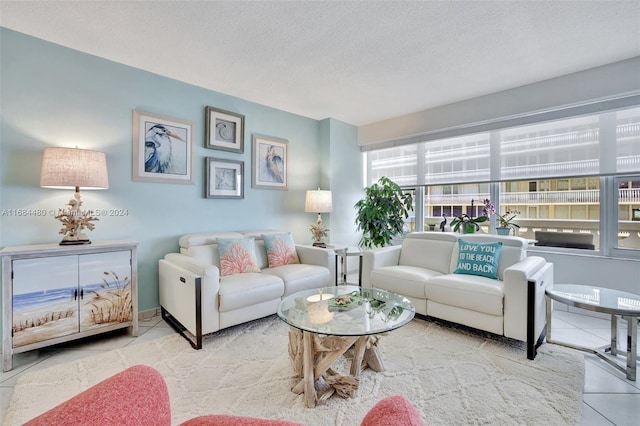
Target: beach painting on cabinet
(62, 295)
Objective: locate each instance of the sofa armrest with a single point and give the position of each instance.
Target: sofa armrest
(376, 258)
(185, 281)
(310, 255)
(135, 396)
(524, 298)
(315, 255)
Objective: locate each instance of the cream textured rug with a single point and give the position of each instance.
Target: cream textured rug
(452, 376)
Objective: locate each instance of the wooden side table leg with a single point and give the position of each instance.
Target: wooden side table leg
(372, 355)
(358, 355)
(307, 369)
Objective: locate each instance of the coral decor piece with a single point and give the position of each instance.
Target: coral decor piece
(74, 221)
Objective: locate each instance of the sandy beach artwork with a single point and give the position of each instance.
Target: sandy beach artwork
(54, 305)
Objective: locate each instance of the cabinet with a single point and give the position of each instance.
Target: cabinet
(52, 294)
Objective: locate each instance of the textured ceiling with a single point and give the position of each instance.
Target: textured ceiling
(356, 61)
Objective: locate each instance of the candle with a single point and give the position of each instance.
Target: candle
(318, 308)
(319, 297)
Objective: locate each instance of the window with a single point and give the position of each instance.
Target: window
(576, 175)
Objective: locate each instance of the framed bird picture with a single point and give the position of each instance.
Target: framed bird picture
(225, 178)
(224, 130)
(270, 161)
(162, 149)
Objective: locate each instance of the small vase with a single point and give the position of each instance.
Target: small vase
(503, 231)
(468, 228)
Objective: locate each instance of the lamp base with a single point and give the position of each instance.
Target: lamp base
(74, 242)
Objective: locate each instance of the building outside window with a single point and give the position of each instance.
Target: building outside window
(558, 175)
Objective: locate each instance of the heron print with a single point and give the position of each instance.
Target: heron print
(165, 149)
(272, 169)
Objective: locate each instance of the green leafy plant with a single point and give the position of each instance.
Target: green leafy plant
(380, 214)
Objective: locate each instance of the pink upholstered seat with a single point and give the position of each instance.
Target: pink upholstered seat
(139, 396)
(136, 396)
(392, 411)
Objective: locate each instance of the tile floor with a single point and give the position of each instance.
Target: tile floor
(608, 397)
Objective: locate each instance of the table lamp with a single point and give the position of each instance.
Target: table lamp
(67, 168)
(318, 201)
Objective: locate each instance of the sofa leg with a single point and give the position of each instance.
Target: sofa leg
(196, 341)
(531, 320)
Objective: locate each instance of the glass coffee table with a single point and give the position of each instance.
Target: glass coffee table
(613, 302)
(326, 323)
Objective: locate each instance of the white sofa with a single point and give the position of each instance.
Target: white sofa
(422, 269)
(196, 298)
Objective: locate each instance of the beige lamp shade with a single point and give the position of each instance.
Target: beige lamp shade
(72, 167)
(318, 201)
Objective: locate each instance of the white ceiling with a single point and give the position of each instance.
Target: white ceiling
(356, 61)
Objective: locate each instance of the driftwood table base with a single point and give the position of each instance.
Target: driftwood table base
(313, 356)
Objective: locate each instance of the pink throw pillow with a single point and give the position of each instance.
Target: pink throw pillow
(281, 250)
(237, 256)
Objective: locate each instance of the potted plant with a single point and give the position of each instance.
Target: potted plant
(380, 214)
(469, 224)
(505, 222)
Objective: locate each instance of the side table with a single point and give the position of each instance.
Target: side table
(613, 302)
(343, 253)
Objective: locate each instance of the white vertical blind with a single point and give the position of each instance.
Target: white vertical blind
(604, 143)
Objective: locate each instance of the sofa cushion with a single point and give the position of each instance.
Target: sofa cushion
(475, 258)
(237, 256)
(242, 290)
(406, 280)
(430, 250)
(281, 250)
(472, 292)
(298, 277)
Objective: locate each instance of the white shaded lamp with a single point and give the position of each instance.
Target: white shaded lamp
(73, 168)
(318, 201)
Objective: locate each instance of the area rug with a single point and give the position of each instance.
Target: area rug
(451, 375)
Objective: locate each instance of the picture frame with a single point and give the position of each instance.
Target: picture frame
(162, 149)
(224, 130)
(224, 178)
(269, 163)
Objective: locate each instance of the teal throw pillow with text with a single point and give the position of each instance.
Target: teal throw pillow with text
(478, 258)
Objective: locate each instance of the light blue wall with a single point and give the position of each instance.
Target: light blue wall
(54, 96)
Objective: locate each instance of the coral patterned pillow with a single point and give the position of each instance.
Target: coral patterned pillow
(281, 249)
(237, 256)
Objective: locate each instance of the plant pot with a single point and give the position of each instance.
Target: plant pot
(468, 228)
(503, 231)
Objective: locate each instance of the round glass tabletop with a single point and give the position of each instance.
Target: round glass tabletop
(596, 299)
(346, 310)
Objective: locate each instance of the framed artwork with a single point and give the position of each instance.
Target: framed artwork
(224, 130)
(162, 149)
(225, 178)
(269, 163)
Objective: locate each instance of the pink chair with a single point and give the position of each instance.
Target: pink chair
(139, 396)
(136, 396)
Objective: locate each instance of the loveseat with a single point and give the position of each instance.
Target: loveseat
(139, 396)
(202, 292)
(503, 294)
